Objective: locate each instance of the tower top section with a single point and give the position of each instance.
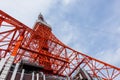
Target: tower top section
(41, 20)
(41, 27)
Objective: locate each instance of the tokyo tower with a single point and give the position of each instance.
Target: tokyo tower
(36, 54)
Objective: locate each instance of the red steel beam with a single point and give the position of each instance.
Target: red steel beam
(42, 42)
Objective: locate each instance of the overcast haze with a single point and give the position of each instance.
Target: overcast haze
(88, 26)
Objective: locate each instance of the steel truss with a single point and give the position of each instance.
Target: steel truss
(40, 46)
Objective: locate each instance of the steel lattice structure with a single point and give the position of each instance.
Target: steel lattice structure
(39, 45)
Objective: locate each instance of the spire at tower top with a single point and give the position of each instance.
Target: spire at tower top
(40, 17)
(41, 20)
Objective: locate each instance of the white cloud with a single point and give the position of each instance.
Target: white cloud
(116, 7)
(110, 56)
(112, 26)
(67, 2)
(26, 10)
(26, 5)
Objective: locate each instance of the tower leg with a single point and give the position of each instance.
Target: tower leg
(7, 68)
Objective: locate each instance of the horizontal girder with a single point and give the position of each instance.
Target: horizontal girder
(46, 50)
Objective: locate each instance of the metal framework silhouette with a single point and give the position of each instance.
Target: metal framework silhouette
(39, 45)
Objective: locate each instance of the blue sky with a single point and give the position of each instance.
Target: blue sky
(88, 26)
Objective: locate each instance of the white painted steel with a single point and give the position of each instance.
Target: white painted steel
(22, 74)
(37, 76)
(43, 75)
(7, 67)
(33, 74)
(2, 63)
(88, 77)
(15, 71)
(80, 76)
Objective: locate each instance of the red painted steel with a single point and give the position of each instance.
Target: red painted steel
(39, 45)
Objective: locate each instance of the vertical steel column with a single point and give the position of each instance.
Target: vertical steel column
(2, 63)
(33, 74)
(22, 74)
(37, 76)
(15, 71)
(43, 76)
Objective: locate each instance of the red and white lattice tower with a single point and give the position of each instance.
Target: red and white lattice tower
(39, 45)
